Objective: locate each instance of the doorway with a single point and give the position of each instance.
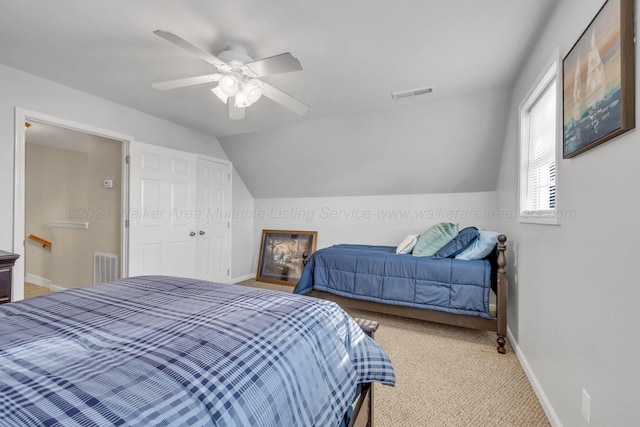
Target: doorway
(71, 193)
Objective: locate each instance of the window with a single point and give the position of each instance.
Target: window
(538, 148)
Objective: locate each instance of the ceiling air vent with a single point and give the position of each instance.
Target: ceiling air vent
(412, 92)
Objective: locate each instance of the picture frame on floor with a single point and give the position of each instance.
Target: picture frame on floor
(283, 255)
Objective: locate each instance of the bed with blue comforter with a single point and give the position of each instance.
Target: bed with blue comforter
(168, 351)
(377, 273)
(445, 290)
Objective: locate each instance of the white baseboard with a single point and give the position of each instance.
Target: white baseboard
(45, 283)
(537, 388)
(243, 278)
(37, 280)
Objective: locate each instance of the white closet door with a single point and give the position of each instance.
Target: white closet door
(162, 215)
(214, 219)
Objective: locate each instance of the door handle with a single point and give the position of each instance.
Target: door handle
(201, 233)
(193, 233)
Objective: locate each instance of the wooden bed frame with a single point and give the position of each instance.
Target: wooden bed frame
(363, 411)
(497, 324)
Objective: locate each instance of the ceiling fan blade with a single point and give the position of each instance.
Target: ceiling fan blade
(286, 100)
(235, 113)
(189, 81)
(211, 59)
(283, 63)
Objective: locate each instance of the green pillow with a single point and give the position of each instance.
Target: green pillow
(432, 240)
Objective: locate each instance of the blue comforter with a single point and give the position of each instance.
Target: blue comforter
(167, 351)
(377, 273)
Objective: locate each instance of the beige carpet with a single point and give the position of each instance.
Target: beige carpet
(447, 376)
(31, 290)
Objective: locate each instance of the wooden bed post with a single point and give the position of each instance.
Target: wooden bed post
(501, 309)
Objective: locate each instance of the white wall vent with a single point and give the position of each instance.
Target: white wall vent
(105, 267)
(412, 92)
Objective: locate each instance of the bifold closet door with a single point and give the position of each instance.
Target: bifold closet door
(162, 220)
(214, 219)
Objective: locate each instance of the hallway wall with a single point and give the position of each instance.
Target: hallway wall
(67, 186)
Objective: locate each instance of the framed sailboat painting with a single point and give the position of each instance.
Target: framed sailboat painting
(598, 80)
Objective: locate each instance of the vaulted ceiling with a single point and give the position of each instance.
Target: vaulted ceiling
(354, 54)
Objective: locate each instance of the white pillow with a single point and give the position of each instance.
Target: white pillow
(406, 246)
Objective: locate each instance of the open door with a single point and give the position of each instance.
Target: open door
(71, 215)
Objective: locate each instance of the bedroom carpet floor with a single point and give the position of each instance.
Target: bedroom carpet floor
(447, 376)
(31, 290)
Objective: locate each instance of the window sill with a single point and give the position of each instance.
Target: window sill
(539, 219)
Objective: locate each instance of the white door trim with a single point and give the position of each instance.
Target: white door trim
(22, 116)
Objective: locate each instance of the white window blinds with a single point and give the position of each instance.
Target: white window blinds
(540, 162)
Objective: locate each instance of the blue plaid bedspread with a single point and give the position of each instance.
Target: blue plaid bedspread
(166, 351)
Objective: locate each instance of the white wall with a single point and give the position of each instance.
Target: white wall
(371, 220)
(32, 93)
(574, 292)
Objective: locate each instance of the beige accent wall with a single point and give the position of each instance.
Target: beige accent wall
(105, 162)
(65, 185)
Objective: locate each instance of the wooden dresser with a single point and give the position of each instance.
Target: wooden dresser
(7, 259)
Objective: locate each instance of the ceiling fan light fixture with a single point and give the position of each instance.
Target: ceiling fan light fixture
(238, 76)
(229, 84)
(252, 90)
(240, 100)
(220, 94)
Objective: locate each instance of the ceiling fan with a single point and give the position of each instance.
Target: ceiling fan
(238, 75)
